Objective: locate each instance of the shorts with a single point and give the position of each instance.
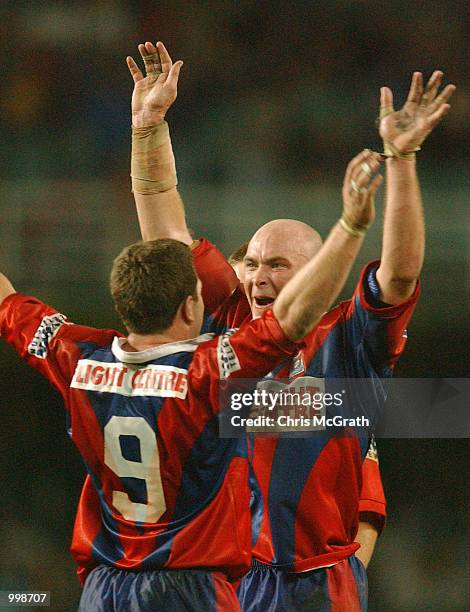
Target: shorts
(340, 588)
(108, 589)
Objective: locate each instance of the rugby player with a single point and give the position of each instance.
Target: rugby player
(142, 411)
(372, 503)
(158, 65)
(309, 530)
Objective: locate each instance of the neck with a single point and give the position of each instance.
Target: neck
(141, 342)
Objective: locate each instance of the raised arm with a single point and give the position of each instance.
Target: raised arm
(159, 206)
(403, 133)
(310, 293)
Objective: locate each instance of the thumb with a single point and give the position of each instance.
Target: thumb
(386, 102)
(174, 73)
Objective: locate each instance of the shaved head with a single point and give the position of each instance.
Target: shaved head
(275, 253)
(288, 236)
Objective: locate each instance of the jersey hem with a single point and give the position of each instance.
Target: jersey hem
(316, 562)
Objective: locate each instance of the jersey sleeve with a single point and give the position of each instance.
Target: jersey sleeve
(379, 331)
(45, 339)
(218, 278)
(372, 503)
(249, 352)
(225, 304)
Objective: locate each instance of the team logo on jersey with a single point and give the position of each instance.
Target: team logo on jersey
(226, 356)
(298, 366)
(47, 329)
(372, 450)
(296, 406)
(150, 380)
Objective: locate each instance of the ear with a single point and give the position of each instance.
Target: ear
(187, 310)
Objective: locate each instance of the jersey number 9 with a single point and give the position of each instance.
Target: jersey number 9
(147, 469)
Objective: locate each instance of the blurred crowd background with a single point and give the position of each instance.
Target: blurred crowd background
(275, 97)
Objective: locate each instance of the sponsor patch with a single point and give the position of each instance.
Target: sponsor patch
(149, 380)
(372, 450)
(226, 356)
(297, 405)
(47, 329)
(298, 366)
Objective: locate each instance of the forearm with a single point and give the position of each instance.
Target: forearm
(403, 233)
(161, 215)
(308, 295)
(366, 536)
(6, 288)
(160, 209)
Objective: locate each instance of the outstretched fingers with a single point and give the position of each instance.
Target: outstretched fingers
(151, 59)
(172, 80)
(439, 107)
(135, 71)
(165, 58)
(415, 93)
(443, 97)
(432, 87)
(438, 115)
(386, 102)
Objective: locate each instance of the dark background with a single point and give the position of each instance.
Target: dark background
(274, 99)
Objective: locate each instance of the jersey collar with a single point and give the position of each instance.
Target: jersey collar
(150, 354)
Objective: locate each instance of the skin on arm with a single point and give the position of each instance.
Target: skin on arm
(367, 535)
(403, 234)
(6, 288)
(161, 215)
(306, 297)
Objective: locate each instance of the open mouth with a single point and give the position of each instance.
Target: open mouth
(264, 302)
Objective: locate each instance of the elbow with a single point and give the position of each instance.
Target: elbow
(396, 287)
(398, 290)
(404, 271)
(402, 283)
(297, 320)
(296, 327)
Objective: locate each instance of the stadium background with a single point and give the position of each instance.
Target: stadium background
(274, 99)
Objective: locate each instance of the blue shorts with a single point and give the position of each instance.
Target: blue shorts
(108, 589)
(340, 588)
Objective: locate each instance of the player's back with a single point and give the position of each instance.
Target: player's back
(173, 494)
(163, 491)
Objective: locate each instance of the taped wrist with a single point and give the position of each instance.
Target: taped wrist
(391, 151)
(355, 229)
(153, 168)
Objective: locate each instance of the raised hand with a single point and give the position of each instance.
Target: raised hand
(405, 130)
(155, 93)
(361, 182)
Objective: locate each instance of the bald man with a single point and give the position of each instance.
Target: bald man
(304, 552)
(276, 251)
(372, 502)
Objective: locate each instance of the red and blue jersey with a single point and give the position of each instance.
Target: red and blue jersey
(163, 489)
(313, 488)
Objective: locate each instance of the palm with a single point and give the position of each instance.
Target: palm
(155, 93)
(407, 128)
(404, 130)
(152, 94)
